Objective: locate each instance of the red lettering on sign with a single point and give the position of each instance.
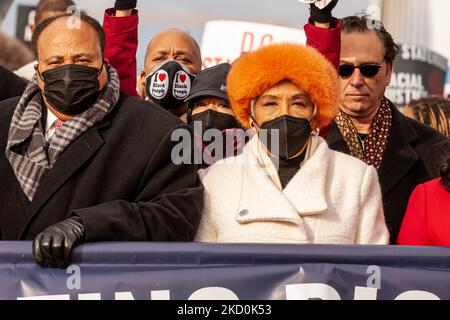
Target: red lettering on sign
(247, 42)
(206, 63)
(266, 39)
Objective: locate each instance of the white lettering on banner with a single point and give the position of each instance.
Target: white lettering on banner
(89, 296)
(213, 293)
(237, 37)
(302, 291)
(160, 295)
(47, 297)
(124, 296)
(417, 295)
(311, 291)
(363, 293)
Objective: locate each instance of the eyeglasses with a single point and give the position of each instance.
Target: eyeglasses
(368, 70)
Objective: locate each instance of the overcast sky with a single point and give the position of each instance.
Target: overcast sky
(191, 15)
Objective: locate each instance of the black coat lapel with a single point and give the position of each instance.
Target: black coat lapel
(77, 154)
(74, 157)
(336, 141)
(399, 156)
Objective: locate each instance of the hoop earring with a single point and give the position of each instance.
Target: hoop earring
(315, 132)
(252, 123)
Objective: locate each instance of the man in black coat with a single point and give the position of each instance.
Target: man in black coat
(84, 162)
(10, 84)
(369, 126)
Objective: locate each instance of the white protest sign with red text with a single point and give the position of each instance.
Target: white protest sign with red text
(224, 41)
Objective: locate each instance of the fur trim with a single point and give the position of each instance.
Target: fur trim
(255, 72)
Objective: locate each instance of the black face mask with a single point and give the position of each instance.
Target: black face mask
(71, 89)
(293, 135)
(211, 119)
(169, 85)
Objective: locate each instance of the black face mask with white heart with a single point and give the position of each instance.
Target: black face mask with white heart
(169, 84)
(289, 135)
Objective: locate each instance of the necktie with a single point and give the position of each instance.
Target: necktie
(58, 124)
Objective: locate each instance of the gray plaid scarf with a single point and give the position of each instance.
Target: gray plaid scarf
(27, 151)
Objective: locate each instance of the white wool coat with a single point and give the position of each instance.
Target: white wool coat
(333, 199)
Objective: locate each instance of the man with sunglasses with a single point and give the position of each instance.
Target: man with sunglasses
(369, 126)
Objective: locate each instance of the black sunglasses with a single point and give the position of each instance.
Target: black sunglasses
(368, 70)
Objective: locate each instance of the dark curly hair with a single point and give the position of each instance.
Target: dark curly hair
(445, 175)
(365, 23)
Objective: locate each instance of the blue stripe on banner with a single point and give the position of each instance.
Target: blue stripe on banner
(180, 271)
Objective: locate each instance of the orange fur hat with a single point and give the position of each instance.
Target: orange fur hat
(255, 72)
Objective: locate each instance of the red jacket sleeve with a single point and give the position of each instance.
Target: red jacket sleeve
(414, 229)
(328, 43)
(121, 46)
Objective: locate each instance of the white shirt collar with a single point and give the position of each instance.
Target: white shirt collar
(49, 129)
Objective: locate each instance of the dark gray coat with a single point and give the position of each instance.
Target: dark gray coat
(118, 177)
(11, 85)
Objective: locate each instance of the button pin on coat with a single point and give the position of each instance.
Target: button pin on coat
(243, 213)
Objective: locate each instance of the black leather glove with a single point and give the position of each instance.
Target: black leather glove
(125, 4)
(324, 15)
(53, 247)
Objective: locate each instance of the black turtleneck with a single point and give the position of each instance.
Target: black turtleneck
(288, 168)
(361, 138)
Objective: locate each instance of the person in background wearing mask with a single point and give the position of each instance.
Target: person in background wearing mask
(121, 28)
(167, 83)
(287, 186)
(172, 58)
(427, 218)
(121, 25)
(44, 9)
(82, 161)
(210, 114)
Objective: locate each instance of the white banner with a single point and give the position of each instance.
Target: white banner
(224, 41)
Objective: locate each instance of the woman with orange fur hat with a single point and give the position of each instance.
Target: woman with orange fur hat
(287, 186)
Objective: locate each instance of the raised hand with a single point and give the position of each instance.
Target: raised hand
(322, 15)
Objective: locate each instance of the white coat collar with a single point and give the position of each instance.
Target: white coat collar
(262, 197)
